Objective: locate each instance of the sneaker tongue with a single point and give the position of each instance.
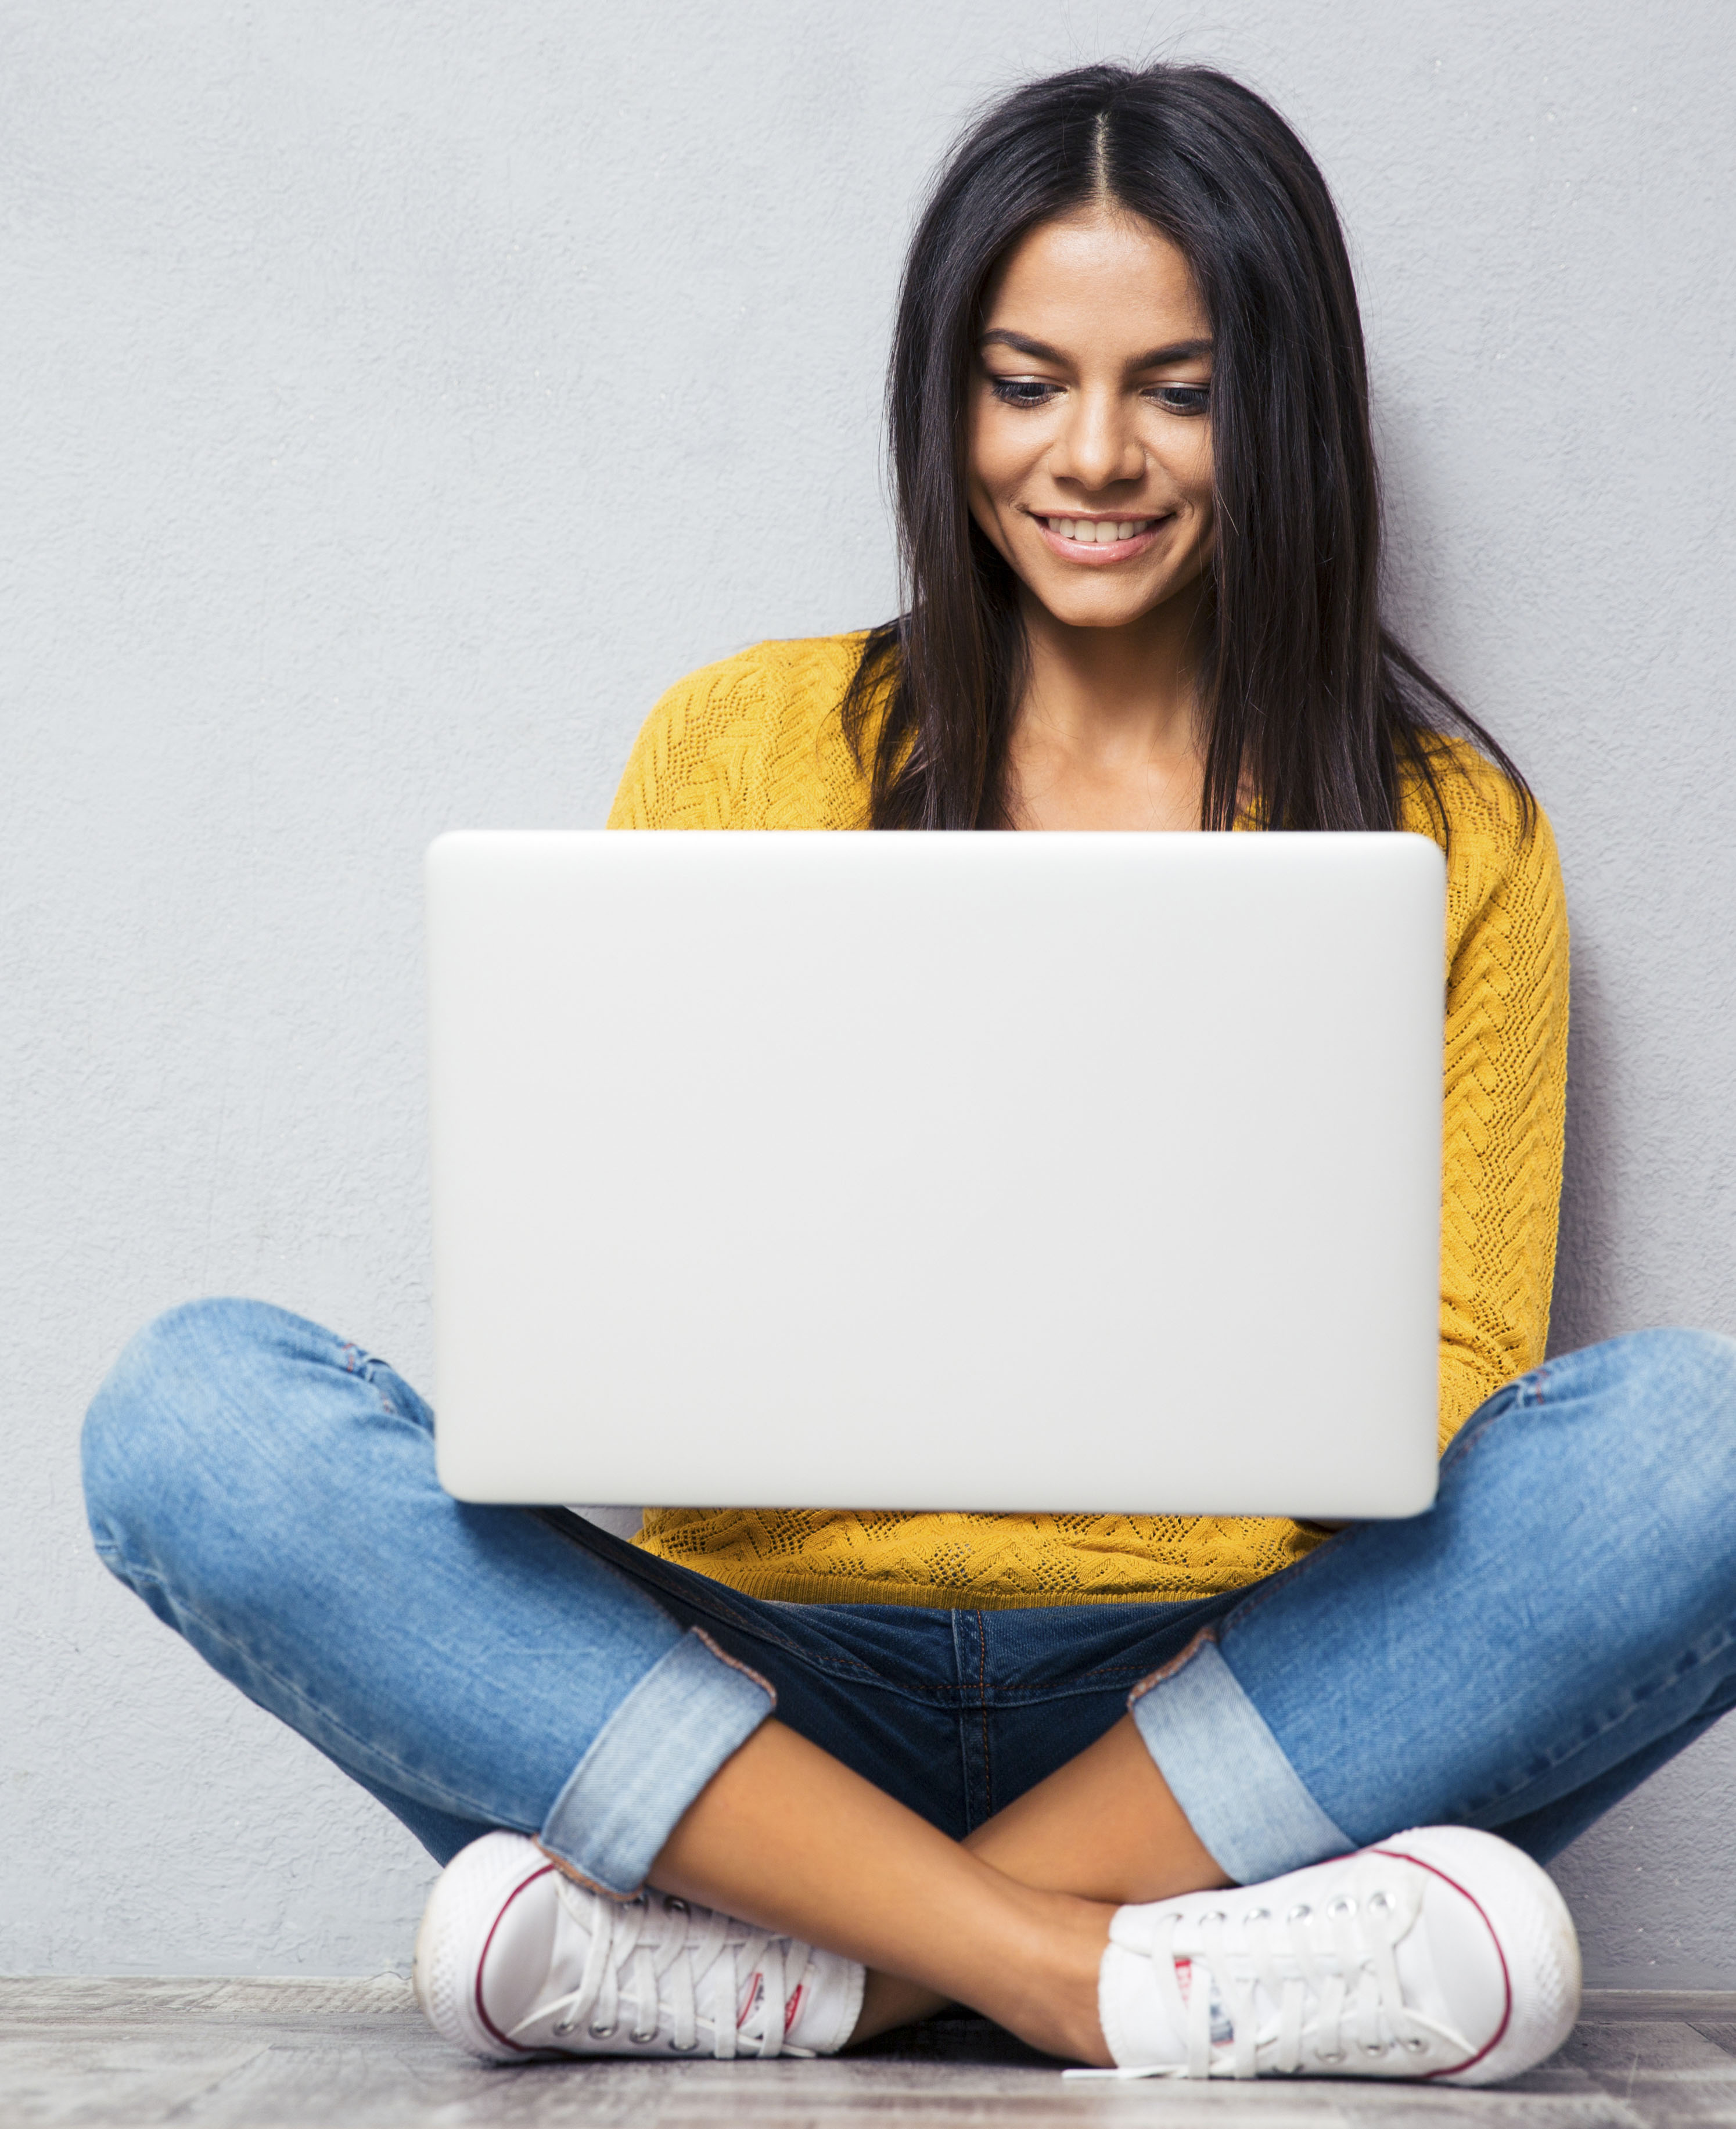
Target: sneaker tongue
(1221, 2030)
(1139, 2021)
(1135, 2022)
(1188, 1976)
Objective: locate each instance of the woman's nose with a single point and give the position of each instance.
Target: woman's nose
(1099, 446)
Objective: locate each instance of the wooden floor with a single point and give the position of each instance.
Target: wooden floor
(355, 2055)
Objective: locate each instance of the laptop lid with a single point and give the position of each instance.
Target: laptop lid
(1060, 1172)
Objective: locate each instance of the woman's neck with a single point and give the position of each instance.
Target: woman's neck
(1106, 734)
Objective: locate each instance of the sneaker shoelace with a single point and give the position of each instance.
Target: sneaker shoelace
(681, 1970)
(1333, 1978)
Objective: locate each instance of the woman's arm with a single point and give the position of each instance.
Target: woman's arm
(685, 767)
(1506, 1072)
(754, 742)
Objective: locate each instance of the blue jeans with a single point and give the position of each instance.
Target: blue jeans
(1554, 1627)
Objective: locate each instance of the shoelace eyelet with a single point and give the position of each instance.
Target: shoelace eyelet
(643, 2040)
(1299, 1913)
(1256, 1915)
(605, 2033)
(1343, 1905)
(1414, 2046)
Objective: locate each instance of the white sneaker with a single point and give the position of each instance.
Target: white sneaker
(1443, 1954)
(512, 1959)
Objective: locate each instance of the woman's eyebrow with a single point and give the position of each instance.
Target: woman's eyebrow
(1038, 350)
(1179, 350)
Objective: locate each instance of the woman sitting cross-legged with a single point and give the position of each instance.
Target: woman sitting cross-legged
(1181, 1794)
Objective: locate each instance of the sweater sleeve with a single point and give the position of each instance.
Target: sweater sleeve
(1505, 1075)
(754, 742)
(690, 765)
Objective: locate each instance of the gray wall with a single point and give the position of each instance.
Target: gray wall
(402, 394)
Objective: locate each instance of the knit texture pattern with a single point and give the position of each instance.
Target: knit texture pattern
(755, 742)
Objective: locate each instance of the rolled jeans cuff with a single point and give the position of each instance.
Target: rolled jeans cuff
(662, 1744)
(1224, 1766)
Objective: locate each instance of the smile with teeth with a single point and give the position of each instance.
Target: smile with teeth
(1099, 531)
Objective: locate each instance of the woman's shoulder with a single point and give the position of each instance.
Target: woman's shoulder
(1501, 858)
(751, 741)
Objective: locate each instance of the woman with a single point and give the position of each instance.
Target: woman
(1106, 1778)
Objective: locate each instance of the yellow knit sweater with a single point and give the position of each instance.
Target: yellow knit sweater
(755, 742)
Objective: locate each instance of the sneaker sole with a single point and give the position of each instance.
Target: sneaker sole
(1530, 1923)
(467, 1896)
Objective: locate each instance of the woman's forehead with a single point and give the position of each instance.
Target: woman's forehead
(1099, 273)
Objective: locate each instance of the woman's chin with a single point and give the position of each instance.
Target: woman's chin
(1102, 606)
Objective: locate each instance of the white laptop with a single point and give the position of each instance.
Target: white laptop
(1060, 1172)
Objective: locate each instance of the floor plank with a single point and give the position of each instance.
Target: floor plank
(130, 2054)
(1665, 2068)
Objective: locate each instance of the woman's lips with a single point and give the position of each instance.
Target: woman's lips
(1095, 552)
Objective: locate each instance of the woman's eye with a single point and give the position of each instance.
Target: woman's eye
(1183, 398)
(1021, 390)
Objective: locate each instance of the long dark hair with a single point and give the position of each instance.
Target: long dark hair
(1313, 711)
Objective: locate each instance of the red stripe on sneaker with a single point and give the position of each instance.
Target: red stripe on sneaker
(793, 2006)
(1453, 2070)
(517, 2046)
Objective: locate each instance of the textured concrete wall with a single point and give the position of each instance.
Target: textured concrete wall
(401, 394)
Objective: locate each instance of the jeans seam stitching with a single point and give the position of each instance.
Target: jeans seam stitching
(361, 1364)
(736, 1664)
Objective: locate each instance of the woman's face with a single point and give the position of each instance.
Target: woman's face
(1090, 449)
